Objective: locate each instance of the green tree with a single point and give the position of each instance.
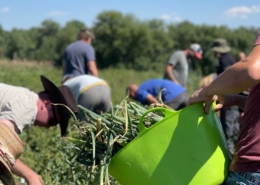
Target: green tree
(119, 39)
(2, 43)
(124, 40)
(18, 42)
(161, 44)
(47, 41)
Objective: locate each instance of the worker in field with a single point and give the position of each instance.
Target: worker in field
(177, 68)
(79, 57)
(91, 92)
(21, 108)
(229, 117)
(172, 94)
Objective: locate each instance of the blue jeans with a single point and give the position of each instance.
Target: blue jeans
(239, 178)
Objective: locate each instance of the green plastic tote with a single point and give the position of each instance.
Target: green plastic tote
(186, 147)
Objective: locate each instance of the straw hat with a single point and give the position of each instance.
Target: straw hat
(11, 147)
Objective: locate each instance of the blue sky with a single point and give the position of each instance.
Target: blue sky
(24, 14)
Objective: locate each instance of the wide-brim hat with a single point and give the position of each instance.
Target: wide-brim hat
(11, 147)
(61, 95)
(220, 46)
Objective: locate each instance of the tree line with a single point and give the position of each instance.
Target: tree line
(124, 41)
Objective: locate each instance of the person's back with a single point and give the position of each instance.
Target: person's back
(91, 92)
(225, 61)
(170, 90)
(76, 57)
(82, 83)
(19, 105)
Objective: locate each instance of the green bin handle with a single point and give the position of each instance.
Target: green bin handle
(167, 113)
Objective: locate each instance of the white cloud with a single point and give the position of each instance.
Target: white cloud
(165, 17)
(177, 19)
(57, 13)
(5, 9)
(241, 12)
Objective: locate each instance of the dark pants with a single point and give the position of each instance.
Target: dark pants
(96, 99)
(229, 118)
(179, 102)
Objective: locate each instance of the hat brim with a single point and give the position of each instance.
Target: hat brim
(58, 97)
(198, 55)
(6, 175)
(221, 49)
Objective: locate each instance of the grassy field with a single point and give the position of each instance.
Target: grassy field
(27, 74)
(42, 149)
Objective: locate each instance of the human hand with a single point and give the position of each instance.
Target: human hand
(200, 96)
(225, 101)
(35, 179)
(22, 170)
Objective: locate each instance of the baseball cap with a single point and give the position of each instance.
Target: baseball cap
(197, 49)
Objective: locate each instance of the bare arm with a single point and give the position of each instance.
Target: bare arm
(151, 99)
(237, 78)
(231, 100)
(170, 73)
(92, 68)
(27, 173)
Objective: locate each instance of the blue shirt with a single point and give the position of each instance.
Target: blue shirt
(153, 87)
(76, 57)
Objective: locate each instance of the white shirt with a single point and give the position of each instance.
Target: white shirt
(19, 105)
(80, 84)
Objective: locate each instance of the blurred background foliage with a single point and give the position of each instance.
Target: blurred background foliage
(123, 41)
(128, 51)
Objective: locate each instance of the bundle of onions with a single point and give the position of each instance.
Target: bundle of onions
(95, 139)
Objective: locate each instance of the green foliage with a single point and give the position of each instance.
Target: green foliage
(124, 35)
(2, 48)
(124, 41)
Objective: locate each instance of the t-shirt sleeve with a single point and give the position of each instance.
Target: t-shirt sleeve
(90, 54)
(141, 96)
(173, 59)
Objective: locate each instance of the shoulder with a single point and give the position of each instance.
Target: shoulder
(178, 55)
(89, 47)
(227, 57)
